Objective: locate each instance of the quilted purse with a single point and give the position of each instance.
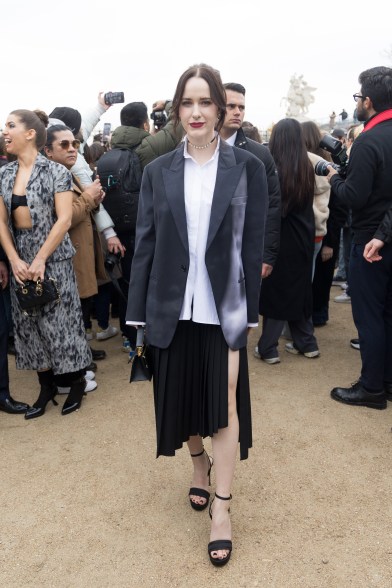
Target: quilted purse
(32, 295)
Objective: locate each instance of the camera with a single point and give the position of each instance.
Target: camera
(114, 97)
(159, 117)
(111, 260)
(339, 157)
(321, 167)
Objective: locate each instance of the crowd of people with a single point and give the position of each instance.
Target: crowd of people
(188, 232)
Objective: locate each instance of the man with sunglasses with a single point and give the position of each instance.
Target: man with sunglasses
(367, 190)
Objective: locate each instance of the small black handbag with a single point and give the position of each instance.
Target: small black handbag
(32, 295)
(141, 370)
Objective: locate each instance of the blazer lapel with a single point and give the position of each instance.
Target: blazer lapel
(228, 176)
(173, 180)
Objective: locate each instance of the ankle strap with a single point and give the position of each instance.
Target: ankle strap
(223, 497)
(198, 454)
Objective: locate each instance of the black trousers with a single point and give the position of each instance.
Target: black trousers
(371, 303)
(321, 288)
(4, 377)
(128, 240)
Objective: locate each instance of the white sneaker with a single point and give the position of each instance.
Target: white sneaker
(270, 360)
(343, 298)
(106, 333)
(309, 354)
(89, 375)
(90, 386)
(89, 335)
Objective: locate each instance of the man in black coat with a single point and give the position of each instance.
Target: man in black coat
(7, 404)
(233, 134)
(367, 190)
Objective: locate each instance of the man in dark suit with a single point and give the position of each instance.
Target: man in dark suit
(233, 134)
(7, 404)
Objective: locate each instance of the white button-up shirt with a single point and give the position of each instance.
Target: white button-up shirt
(199, 184)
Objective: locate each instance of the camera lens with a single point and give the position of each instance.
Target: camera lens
(321, 168)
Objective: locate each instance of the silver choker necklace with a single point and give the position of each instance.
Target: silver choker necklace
(202, 146)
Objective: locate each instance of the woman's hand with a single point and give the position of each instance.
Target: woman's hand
(95, 191)
(326, 253)
(37, 269)
(20, 269)
(3, 275)
(115, 246)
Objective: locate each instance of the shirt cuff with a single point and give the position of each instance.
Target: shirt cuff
(136, 323)
(252, 325)
(109, 232)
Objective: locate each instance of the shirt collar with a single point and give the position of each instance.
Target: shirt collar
(231, 140)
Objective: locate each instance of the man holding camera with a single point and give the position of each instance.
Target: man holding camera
(367, 190)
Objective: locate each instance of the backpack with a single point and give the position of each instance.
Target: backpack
(120, 174)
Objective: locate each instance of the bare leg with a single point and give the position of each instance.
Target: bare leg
(224, 445)
(201, 465)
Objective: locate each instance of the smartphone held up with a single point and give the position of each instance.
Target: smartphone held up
(114, 97)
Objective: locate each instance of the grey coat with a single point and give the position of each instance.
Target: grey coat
(233, 252)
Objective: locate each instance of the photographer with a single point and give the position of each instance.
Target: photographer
(367, 190)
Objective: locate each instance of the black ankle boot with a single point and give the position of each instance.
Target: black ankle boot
(74, 398)
(48, 392)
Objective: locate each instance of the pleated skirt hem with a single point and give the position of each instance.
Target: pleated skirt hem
(190, 380)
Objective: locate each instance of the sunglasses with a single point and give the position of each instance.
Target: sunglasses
(65, 144)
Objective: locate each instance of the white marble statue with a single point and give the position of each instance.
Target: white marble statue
(299, 97)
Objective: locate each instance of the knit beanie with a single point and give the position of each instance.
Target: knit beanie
(69, 116)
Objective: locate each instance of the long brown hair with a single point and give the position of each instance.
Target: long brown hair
(36, 120)
(213, 79)
(296, 174)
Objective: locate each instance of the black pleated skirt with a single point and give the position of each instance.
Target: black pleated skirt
(191, 388)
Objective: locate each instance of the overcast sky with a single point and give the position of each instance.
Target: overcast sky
(62, 53)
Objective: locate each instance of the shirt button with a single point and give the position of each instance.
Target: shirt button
(183, 267)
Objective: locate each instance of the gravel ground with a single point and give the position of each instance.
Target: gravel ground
(85, 503)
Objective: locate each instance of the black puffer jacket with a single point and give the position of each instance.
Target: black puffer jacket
(272, 227)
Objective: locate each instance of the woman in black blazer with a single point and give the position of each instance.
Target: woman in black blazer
(195, 284)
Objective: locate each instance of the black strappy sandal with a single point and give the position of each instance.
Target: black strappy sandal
(220, 544)
(199, 491)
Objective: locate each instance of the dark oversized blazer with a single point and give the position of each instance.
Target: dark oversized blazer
(233, 251)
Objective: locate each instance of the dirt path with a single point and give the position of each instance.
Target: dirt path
(84, 502)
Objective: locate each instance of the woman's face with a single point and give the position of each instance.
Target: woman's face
(62, 149)
(198, 114)
(16, 137)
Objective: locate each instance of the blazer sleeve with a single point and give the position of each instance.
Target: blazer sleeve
(253, 237)
(144, 253)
